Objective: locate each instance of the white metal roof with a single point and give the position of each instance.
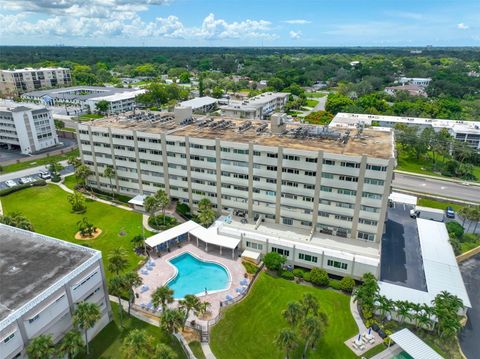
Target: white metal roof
(199, 102)
(413, 345)
(211, 236)
(138, 199)
(429, 209)
(171, 233)
(403, 198)
(439, 264)
(251, 254)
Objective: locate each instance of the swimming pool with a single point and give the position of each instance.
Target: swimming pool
(402, 355)
(194, 276)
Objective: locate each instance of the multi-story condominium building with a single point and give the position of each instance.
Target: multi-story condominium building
(14, 82)
(119, 99)
(42, 280)
(256, 108)
(466, 131)
(28, 129)
(328, 183)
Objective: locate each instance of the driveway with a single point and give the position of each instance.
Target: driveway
(401, 260)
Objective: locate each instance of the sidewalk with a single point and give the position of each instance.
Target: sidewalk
(356, 316)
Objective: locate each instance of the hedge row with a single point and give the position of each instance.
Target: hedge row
(19, 187)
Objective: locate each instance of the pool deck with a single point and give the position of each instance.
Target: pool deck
(164, 270)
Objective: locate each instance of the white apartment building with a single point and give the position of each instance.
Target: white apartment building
(14, 82)
(466, 131)
(256, 108)
(42, 280)
(200, 105)
(307, 178)
(28, 129)
(418, 81)
(119, 99)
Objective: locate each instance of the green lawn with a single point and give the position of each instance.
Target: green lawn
(71, 181)
(375, 350)
(106, 345)
(197, 350)
(48, 209)
(91, 116)
(249, 328)
(311, 103)
(425, 202)
(408, 163)
(315, 94)
(40, 162)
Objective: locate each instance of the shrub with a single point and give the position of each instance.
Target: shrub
(162, 222)
(335, 284)
(56, 178)
(455, 229)
(306, 277)
(274, 261)
(297, 272)
(250, 267)
(183, 210)
(7, 191)
(319, 277)
(287, 275)
(347, 284)
(457, 247)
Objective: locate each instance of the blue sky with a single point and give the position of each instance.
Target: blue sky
(240, 23)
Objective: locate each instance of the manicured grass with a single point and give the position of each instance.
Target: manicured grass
(374, 351)
(468, 246)
(249, 328)
(311, 103)
(91, 116)
(315, 94)
(108, 342)
(197, 350)
(426, 202)
(408, 163)
(48, 209)
(71, 181)
(39, 162)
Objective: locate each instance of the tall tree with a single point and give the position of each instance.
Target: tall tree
(86, 315)
(162, 296)
(131, 280)
(82, 173)
(188, 303)
(287, 340)
(110, 173)
(116, 287)
(117, 260)
(136, 344)
(72, 344)
(171, 320)
(17, 219)
(311, 329)
(206, 214)
(293, 314)
(162, 201)
(151, 205)
(41, 347)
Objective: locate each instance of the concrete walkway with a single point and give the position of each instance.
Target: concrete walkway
(147, 226)
(356, 316)
(207, 351)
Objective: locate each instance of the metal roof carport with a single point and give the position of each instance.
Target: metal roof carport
(413, 345)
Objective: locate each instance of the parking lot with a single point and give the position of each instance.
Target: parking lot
(401, 261)
(14, 179)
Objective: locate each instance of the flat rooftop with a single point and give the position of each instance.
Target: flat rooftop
(29, 69)
(255, 102)
(30, 263)
(372, 142)
(81, 92)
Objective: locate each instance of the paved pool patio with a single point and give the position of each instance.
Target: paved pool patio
(163, 271)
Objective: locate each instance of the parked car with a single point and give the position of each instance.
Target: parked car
(11, 183)
(25, 180)
(45, 175)
(450, 212)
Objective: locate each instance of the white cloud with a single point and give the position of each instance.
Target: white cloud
(297, 22)
(295, 35)
(462, 26)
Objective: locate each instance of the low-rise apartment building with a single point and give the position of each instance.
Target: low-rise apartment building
(27, 129)
(418, 81)
(42, 280)
(119, 99)
(466, 131)
(15, 82)
(307, 177)
(256, 108)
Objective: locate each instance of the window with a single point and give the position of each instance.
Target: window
(310, 173)
(290, 183)
(225, 149)
(370, 209)
(344, 205)
(10, 337)
(254, 245)
(329, 162)
(336, 264)
(31, 320)
(307, 257)
(257, 153)
(369, 222)
(289, 195)
(327, 175)
(288, 221)
(306, 223)
(344, 218)
(366, 236)
(271, 180)
(348, 178)
(350, 164)
(271, 168)
(371, 195)
(272, 155)
(377, 168)
(291, 158)
(240, 152)
(325, 189)
(311, 160)
(348, 192)
(374, 181)
(308, 186)
(291, 170)
(281, 251)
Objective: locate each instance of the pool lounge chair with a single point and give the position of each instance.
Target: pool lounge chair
(358, 345)
(368, 338)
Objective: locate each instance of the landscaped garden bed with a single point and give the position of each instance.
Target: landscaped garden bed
(162, 222)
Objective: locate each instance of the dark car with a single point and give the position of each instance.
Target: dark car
(450, 212)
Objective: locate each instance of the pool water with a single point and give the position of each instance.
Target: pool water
(402, 355)
(195, 275)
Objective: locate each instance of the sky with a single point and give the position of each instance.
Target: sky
(240, 23)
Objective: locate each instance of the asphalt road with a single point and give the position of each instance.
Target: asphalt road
(436, 187)
(31, 172)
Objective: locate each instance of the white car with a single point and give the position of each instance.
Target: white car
(11, 183)
(25, 180)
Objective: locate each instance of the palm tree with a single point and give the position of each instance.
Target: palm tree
(85, 316)
(17, 219)
(424, 317)
(293, 314)
(151, 205)
(163, 351)
(131, 280)
(55, 167)
(202, 308)
(82, 172)
(41, 347)
(172, 319)
(116, 287)
(110, 173)
(417, 308)
(161, 296)
(287, 340)
(139, 241)
(77, 201)
(385, 305)
(136, 344)
(311, 329)
(74, 161)
(188, 303)
(72, 344)
(162, 201)
(309, 304)
(403, 310)
(117, 260)
(206, 214)
(464, 212)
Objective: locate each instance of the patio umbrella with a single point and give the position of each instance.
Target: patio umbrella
(369, 331)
